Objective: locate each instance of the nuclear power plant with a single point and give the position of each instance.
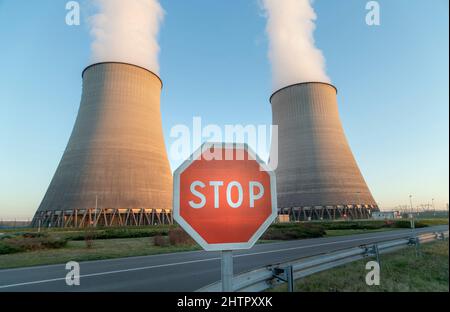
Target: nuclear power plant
(317, 175)
(115, 170)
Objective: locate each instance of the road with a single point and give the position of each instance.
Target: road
(187, 271)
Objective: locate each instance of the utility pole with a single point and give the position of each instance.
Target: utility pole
(410, 201)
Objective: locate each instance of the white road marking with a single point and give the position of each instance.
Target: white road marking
(199, 261)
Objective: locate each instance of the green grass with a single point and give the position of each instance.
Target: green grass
(332, 233)
(102, 249)
(137, 241)
(401, 271)
(434, 222)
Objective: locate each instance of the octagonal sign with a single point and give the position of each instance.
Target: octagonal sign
(224, 196)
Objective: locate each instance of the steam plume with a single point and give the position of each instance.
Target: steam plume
(293, 54)
(127, 31)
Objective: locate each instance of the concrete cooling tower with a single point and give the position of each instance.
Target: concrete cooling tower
(317, 175)
(115, 170)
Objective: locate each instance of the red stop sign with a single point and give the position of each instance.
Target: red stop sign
(224, 197)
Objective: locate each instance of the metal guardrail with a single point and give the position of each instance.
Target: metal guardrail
(270, 276)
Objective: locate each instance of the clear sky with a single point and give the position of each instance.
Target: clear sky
(392, 80)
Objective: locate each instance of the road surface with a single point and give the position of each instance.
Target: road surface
(186, 271)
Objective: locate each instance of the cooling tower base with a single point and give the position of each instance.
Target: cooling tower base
(352, 212)
(82, 218)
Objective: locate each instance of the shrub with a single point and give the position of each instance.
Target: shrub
(54, 242)
(33, 235)
(179, 237)
(368, 224)
(354, 225)
(6, 248)
(5, 236)
(89, 236)
(291, 231)
(161, 241)
(30, 243)
(406, 224)
(113, 233)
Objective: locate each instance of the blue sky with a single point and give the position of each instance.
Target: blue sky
(392, 80)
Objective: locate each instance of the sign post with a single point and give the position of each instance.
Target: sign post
(225, 199)
(227, 270)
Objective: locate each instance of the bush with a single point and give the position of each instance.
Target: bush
(161, 241)
(31, 242)
(179, 237)
(354, 225)
(113, 233)
(6, 248)
(5, 236)
(291, 231)
(406, 224)
(368, 225)
(89, 236)
(32, 235)
(54, 242)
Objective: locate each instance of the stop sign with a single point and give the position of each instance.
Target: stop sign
(224, 196)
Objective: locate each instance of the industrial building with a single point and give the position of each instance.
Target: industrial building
(317, 175)
(115, 170)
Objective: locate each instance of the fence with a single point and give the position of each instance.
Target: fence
(268, 277)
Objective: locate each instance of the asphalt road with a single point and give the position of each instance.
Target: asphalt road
(187, 271)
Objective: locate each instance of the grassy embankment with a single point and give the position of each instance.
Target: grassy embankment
(28, 248)
(401, 271)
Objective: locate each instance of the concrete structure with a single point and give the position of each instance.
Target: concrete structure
(317, 175)
(115, 169)
(386, 215)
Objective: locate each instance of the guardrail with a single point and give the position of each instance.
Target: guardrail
(270, 276)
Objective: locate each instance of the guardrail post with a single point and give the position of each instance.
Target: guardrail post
(417, 246)
(416, 242)
(377, 254)
(285, 274)
(290, 278)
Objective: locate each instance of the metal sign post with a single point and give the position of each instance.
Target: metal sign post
(227, 270)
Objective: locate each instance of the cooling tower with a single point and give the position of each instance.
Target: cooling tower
(317, 175)
(115, 169)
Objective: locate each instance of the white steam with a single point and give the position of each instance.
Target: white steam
(127, 31)
(293, 54)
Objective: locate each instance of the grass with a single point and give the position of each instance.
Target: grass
(102, 249)
(333, 233)
(138, 241)
(434, 222)
(401, 271)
